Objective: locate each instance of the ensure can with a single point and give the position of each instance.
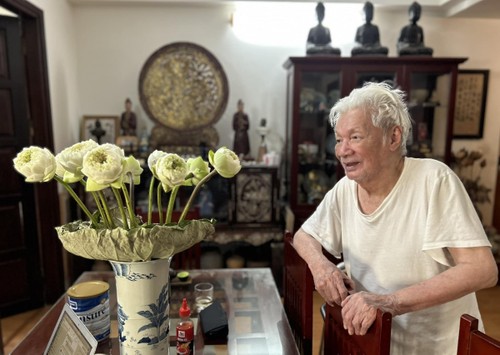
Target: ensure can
(90, 301)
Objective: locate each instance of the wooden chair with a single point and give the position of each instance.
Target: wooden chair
(337, 340)
(298, 295)
(1, 338)
(187, 259)
(471, 341)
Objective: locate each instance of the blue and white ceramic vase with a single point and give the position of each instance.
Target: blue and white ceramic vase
(142, 290)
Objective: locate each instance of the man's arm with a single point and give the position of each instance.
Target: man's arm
(331, 283)
(475, 269)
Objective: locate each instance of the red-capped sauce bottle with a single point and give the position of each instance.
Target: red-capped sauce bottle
(185, 331)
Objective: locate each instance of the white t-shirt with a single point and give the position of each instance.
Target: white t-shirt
(404, 242)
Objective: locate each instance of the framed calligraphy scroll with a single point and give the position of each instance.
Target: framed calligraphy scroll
(470, 104)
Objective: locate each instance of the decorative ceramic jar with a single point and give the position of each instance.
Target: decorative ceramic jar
(142, 290)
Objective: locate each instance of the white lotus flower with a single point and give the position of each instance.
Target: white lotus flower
(171, 170)
(36, 164)
(153, 159)
(132, 165)
(71, 159)
(225, 161)
(103, 167)
(199, 168)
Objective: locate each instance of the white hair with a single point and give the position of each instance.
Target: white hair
(383, 104)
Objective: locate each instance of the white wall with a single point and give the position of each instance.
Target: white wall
(96, 72)
(475, 39)
(115, 42)
(62, 66)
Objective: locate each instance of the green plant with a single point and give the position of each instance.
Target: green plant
(468, 165)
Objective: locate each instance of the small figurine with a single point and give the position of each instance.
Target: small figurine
(98, 132)
(319, 39)
(128, 121)
(241, 124)
(367, 36)
(411, 39)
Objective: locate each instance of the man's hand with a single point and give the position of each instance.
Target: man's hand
(359, 310)
(332, 283)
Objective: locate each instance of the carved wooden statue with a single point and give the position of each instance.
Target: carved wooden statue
(368, 37)
(319, 39)
(128, 122)
(241, 124)
(411, 39)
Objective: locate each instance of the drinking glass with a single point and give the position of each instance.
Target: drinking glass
(204, 295)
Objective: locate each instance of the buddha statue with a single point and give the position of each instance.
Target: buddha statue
(319, 40)
(367, 36)
(411, 39)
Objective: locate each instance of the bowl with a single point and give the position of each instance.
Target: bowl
(183, 275)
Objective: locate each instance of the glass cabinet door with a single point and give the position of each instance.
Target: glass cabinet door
(363, 77)
(428, 98)
(315, 149)
(316, 83)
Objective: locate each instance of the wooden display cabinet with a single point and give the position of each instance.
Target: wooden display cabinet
(315, 83)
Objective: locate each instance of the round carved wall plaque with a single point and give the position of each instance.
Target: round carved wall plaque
(182, 86)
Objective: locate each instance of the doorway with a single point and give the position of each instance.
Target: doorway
(30, 252)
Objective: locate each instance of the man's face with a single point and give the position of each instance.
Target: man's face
(360, 147)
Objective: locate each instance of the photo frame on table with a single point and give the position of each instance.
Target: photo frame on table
(470, 103)
(100, 128)
(70, 333)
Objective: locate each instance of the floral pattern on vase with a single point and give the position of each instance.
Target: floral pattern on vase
(142, 290)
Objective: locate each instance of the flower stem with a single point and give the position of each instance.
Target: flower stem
(77, 199)
(106, 210)
(120, 207)
(194, 193)
(158, 202)
(130, 207)
(150, 200)
(98, 203)
(171, 203)
(95, 196)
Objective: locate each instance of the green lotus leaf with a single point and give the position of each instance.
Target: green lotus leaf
(139, 244)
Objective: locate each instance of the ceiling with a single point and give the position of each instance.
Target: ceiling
(458, 8)
(441, 8)
(476, 9)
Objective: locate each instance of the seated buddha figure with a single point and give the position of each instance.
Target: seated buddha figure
(411, 39)
(319, 40)
(367, 36)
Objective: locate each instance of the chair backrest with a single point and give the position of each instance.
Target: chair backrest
(377, 341)
(1, 338)
(472, 341)
(298, 295)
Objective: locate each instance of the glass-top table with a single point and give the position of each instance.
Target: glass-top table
(256, 318)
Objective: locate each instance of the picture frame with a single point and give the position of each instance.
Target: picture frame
(70, 332)
(108, 124)
(470, 103)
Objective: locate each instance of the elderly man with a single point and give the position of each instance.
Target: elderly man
(412, 242)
